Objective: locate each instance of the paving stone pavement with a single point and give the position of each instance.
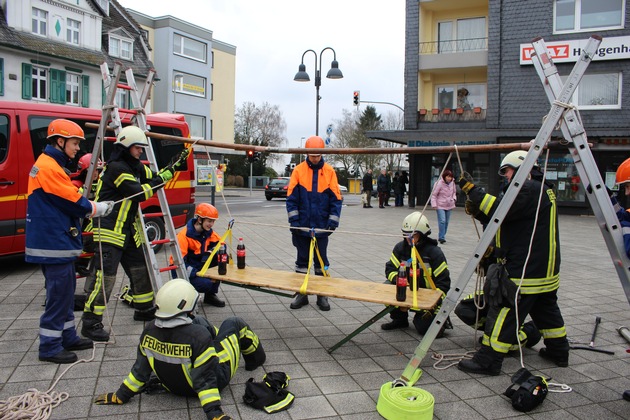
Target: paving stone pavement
(346, 383)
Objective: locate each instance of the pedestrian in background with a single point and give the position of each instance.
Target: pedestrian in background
(389, 188)
(313, 201)
(443, 201)
(53, 238)
(367, 189)
(399, 190)
(382, 187)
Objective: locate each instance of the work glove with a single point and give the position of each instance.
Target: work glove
(466, 182)
(182, 158)
(471, 207)
(499, 290)
(101, 208)
(166, 174)
(331, 227)
(108, 399)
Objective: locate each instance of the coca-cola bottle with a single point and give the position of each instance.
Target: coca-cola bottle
(240, 254)
(222, 259)
(401, 283)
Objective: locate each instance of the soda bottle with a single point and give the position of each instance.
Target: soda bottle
(240, 254)
(401, 283)
(222, 259)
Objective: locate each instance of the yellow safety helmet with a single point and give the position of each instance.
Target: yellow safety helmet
(416, 222)
(512, 160)
(132, 136)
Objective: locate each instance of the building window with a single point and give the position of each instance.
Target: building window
(39, 85)
(598, 91)
(122, 98)
(197, 125)
(39, 22)
(465, 95)
(212, 59)
(72, 31)
(190, 84)
(188, 47)
(462, 35)
(73, 87)
(212, 91)
(586, 15)
(119, 47)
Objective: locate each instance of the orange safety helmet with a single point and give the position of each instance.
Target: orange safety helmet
(206, 211)
(623, 172)
(65, 128)
(315, 142)
(84, 164)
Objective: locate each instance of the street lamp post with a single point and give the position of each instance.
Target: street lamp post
(175, 77)
(333, 73)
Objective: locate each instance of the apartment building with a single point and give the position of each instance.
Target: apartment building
(50, 51)
(197, 75)
(469, 80)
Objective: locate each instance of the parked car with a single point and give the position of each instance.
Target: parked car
(277, 188)
(343, 189)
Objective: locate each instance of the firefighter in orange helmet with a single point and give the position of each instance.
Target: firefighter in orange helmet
(197, 241)
(313, 201)
(78, 177)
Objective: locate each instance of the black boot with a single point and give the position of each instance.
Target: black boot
(80, 344)
(533, 334)
(64, 356)
(299, 301)
(322, 302)
(485, 362)
(213, 300)
(395, 324)
(147, 314)
(561, 359)
(626, 395)
(92, 328)
(255, 359)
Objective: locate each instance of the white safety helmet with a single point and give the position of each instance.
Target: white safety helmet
(176, 297)
(416, 222)
(512, 160)
(132, 136)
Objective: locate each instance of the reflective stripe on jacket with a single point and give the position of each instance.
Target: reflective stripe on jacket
(313, 197)
(54, 210)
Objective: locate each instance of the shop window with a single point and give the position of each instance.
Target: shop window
(586, 15)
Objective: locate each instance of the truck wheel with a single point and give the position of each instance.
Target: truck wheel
(155, 230)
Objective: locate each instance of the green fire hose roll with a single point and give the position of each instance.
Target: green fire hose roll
(405, 403)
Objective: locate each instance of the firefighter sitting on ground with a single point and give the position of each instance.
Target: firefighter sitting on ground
(416, 228)
(190, 356)
(197, 241)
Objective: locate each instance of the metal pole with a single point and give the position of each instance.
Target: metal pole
(318, 82)
(251, 177)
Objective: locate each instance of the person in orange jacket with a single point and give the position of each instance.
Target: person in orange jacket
(53, 238)
(197, 241)
(313, 202)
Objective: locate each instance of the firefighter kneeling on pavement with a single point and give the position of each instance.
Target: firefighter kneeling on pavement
(416, 231)
(190, 356)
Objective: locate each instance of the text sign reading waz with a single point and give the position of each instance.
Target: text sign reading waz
(614, 48)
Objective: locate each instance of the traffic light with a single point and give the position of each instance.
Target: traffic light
(250, 156)
(356, 98)
(256, 156)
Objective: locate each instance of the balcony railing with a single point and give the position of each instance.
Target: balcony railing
(454, 46)
(451, 115)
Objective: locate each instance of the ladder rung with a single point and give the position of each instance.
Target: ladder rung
(87, 233)
(123, 86)
(169, 268)
(108, 138)
(150, 215)
(86, 255)
(160, 241)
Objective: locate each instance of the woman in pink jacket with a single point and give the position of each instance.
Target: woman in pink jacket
(443, 200)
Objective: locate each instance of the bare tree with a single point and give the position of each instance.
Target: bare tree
(260, 125)
(344, 136)
(393, 121)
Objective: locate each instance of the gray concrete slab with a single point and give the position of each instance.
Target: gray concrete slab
(346, 383)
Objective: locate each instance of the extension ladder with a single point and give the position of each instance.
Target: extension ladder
(559, 95)
(110, 119)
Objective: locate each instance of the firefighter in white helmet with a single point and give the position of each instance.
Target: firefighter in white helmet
(416, 230)
(541, 276)
(190, 356)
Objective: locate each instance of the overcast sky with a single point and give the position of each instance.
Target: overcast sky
(270, 37)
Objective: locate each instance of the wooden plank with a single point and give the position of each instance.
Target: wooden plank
(335, 287)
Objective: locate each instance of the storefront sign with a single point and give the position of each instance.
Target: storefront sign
(442, 143)
(613, 48)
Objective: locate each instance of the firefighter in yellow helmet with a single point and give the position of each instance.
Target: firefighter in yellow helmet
(313, 201)
(541, 276)
(190, 356)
